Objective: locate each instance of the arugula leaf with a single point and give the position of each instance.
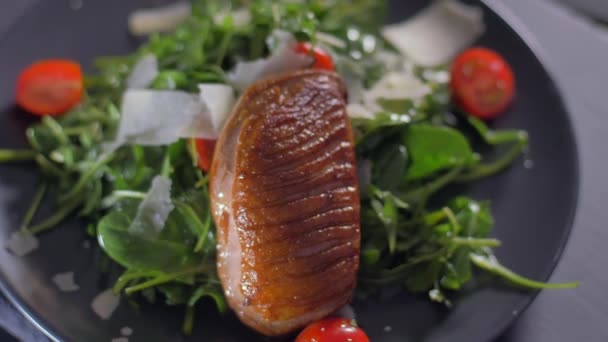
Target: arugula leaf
(434, 253)
(423, 276)
(171, 251)
(175, 293)
(370, 256)
(473, 216)
(433, 149)
(495, 138)
(387, 213)
(137, 252)
(389, 166)
(457, 271)
(518, 140)
(210, 291)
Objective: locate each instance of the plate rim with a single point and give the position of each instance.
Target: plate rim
(522, 32)
(511, 19)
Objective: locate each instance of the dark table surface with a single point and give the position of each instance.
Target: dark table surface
(575, 50)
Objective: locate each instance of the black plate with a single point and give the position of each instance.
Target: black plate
(534, 207)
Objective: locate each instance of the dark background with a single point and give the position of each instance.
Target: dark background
(575, 50)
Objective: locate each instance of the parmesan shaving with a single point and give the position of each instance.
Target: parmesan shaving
(160, 19)
(438, 33)
(144, 72)
(284, 58)
(22, 243)
(65, 282)
(154, 210)
(104, 304)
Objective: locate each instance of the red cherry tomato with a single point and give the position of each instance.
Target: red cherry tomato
(322, 59)
(332, 330)
(50, 87)
(204, 151)
(482, 83)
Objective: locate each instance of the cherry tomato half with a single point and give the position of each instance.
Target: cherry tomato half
(482, 83)
(322, 59)
(204, 151)
(50, 87)
(333, 330)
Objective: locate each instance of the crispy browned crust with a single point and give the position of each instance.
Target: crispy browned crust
(284, 189)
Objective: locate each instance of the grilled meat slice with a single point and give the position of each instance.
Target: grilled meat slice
(285, 201)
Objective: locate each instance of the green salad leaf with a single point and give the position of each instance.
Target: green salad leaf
(140, 253)
(436, 148)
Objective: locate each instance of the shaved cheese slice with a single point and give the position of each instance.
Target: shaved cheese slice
(159, 117)
(105, 303)
(154, 210)
(22, 243)
(354, 82)
(126, 331)
(393, 86)
(438, 33)
(359, 111)
(160, 19)
(144, 72)
(219, 99)
(284, 58)
(396, 86)
(65, 282)
(167, 18)
(391, 60)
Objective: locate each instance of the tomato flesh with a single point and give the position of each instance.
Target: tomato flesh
(333, 330)
(50, 87)
(322, 59)
(204, 151)
(482, 83)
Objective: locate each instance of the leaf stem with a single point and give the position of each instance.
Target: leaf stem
(188, 320)
(223, 48)
(202, 182)
(166, 168)
(8, 156)
(86, 177)
(490, 264)
(400, 272)
(475, 243)
(452, 218)
(204, 234)
(117, 195)
(55, 129)
(29, 215)
(164, 279)
(54, 219)
(48, 166)
(129, 276)
(129, 194)
(496, 137)
(481, 171)
(434, 218)
(430, 188)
